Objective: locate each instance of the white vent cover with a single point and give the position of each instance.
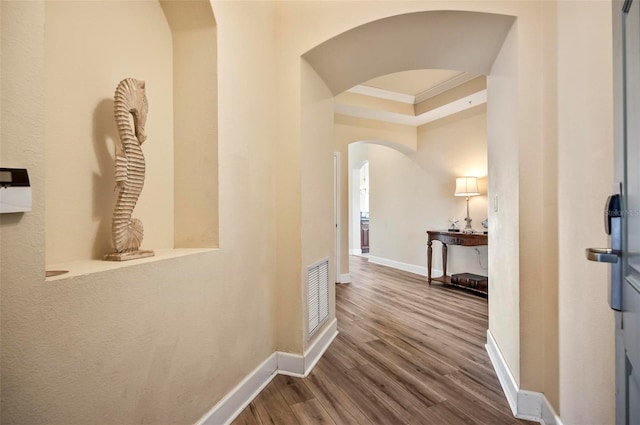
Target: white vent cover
(318, 294)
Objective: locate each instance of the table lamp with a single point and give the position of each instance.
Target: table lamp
(467, 186)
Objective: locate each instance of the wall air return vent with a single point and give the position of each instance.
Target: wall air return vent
(318, 294)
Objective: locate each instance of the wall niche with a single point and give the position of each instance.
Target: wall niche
(90, 47)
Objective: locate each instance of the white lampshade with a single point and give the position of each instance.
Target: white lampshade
(467, 186)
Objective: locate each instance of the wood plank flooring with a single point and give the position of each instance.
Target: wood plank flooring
(406, 353)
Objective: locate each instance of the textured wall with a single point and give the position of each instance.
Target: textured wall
(21, 144)
(585, 152)
(318, 225)
(195, 92)
(159, 342)
(168, 340)
(504, 223)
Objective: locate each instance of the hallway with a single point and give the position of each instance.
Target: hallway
(406, 354)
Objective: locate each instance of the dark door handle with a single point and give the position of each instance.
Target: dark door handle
(613, 216)
(603, 255)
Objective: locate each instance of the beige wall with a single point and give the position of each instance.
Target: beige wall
(533, 73)
(356, 99)
(519, 83)
(318, 234)
(349, 129)
(549, 277)
(195, 147)
(414, 193)
(503, 184)
(147, 343)
(466, 89)
(288, 203)
(585, 152)
(21, 145)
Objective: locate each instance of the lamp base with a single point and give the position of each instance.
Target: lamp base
(468, 228)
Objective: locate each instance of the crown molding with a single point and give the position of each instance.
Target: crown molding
(383, 94)
(456, 106)
(421, 97)
(445, 86)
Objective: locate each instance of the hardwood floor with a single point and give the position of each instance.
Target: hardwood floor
(406, 354)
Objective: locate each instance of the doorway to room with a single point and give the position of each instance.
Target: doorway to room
(412, 192)
(358, 207)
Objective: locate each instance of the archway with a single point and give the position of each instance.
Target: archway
(469, 41)
(427, 41)
(359, 190)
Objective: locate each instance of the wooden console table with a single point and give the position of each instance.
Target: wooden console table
(449, 238)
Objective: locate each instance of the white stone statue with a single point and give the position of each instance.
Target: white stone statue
(130, 101)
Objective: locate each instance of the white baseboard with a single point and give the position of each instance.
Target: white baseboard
(319, 346)
(290, 364)
(403, 266)
(549, 416)
(300, 366)
(529, 405)
(227, 409)
(508, 383)
(356, 251)
(345, 278)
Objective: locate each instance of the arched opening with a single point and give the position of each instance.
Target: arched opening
(359, 190)
(412, 191)
(477, 43)
(427, 43)
(460, 40)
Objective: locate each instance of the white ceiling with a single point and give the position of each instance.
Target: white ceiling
(468, 41)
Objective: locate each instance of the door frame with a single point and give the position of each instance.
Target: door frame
(336, 213)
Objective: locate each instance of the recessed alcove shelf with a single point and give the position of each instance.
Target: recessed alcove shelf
(87, 267)
(172, 45)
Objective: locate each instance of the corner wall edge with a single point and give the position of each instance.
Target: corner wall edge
(524, 404)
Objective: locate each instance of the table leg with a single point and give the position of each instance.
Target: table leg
(429, 253)
(444, 260)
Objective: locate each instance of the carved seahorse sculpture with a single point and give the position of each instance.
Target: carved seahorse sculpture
(130, 101)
